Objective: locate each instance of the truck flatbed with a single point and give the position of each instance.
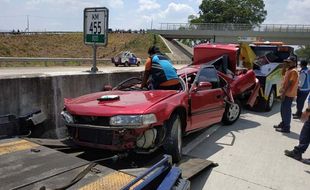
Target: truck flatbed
(27, 164)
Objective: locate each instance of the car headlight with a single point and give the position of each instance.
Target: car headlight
(67, 117)
(133, 120)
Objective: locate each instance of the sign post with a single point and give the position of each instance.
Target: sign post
(96, 30)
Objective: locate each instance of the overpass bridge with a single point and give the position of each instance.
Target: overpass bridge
(234, 33)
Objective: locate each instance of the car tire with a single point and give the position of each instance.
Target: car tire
(270, 100)
(173, 141)
(126, 64)
(232, 113)
(116, 65)
(138, 64)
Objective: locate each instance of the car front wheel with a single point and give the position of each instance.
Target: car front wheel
(232, 113)
(173, 143)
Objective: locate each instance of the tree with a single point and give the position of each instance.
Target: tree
(250, 12)
(303, 52)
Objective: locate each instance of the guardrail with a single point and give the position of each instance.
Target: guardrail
(236, 27)
(37, 32)
(48, 59)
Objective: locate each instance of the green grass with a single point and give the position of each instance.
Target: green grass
(72, 46)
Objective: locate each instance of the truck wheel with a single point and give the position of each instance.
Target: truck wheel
(232, 113)
(126, 64)
(270, 101)
(173, 143)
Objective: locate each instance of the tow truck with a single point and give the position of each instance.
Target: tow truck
(266, 60)
(254, 69)
(35, 163)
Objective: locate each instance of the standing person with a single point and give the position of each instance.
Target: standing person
(160, 70)
(288, 92)
(304, 138)
(303, 88)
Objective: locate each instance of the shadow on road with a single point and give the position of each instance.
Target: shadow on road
(263, 113)
(213, 145)
(203, 176)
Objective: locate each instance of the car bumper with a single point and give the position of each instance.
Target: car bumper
(144, 139)
(104, 137)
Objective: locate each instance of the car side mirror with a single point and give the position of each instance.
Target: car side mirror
(107, 88)
(203, 86)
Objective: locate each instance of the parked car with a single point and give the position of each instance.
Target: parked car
(130, 118)
(126, 58)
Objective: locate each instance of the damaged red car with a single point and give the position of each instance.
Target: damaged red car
(142, 120)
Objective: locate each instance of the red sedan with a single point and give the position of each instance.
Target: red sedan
(129, 118)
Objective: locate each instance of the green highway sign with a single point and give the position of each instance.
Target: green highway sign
(96, 26)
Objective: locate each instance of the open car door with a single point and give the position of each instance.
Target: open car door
(207, 103)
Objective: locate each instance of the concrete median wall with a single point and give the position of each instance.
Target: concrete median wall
(20, 96)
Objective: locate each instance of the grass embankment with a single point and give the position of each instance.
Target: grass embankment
(72, 46)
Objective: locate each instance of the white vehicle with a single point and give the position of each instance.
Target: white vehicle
(126, 58)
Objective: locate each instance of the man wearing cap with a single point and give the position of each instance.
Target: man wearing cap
(303, 88)
(160, 70)
(288, 92)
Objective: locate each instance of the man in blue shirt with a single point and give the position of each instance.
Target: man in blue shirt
(160, 71)
(303, 88)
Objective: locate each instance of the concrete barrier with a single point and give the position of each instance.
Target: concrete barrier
(20, 96)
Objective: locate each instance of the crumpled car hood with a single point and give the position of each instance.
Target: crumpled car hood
(129, 102)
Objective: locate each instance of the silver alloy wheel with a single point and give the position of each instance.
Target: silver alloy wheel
(177, 124)
(233, 112)
(271, 99)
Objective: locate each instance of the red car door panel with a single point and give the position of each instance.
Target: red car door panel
(207, 105)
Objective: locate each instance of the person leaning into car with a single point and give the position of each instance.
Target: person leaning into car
(288, 92)
(159, 72)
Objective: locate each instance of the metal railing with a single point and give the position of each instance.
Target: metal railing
(236, 27)
(48, 59)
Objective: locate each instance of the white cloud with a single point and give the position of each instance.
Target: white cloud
(146, 5)
(298, 12)
(176, 12)
(287, 12)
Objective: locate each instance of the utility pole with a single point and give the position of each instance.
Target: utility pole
(152, 23)
(27, 29)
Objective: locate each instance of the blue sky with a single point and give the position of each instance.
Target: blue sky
(67, 15)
